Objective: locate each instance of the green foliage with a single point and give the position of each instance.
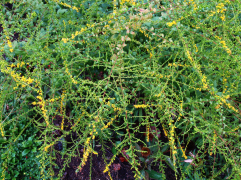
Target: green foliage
(107, 69)
(19, 146)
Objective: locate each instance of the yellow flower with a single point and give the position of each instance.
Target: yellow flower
(65, 40)
(106, 169)
(29, 80)
(39, 97)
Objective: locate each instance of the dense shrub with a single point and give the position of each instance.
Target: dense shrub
(149, 76)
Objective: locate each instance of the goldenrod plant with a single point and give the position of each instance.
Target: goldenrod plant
(111, 70)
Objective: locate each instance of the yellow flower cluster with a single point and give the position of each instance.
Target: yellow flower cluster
(5, 32)
(171, 141)
(94, 128)
(171, 23)
(158, 95)
(109, 123)
(181, 107)
(144, 105)
(20, 80)
(86, 153)
(226, 47)
(196, 48)
(112, 105)
(66, 5)
(137, 175)
(46, 148)
(149, 52)
(42, 103)
(127, 1)
(70, 22)
(156, 75)
(76, 34)
(218, 106)
(145, 34)
(52, 100)
(171, 138)
(204, 81)
(235, 129)
(67, 71)
(223, 99)
(2, 130)
(214, 142)
(111, 161)
(10, 45)
(221, 8)
(194, 4)
(4, 166)
(183, 152)
(114, 7)
(212, 14)
(2, 47)
(176, 65)
(147, 130)
(61, 108)
(165, 132)
(141, 106)
(224, 82)
(19, 65)
(203, 77)
(189, 56)
(117, 109)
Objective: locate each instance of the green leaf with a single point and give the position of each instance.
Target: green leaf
(26, 151)
(139, 149)
(140, 113)
(3, 140)
(155, 175)
(170, 164)
(120, 134)
(117, 143)
(34, 149)
(61, 11)
(142, 159)
(142, 174)
(165, 148)
(13, 154)
(16, 173)
(113, 150)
